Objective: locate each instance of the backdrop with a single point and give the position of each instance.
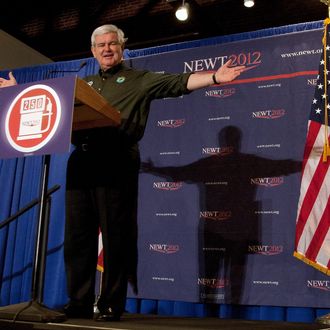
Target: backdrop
(219, 186)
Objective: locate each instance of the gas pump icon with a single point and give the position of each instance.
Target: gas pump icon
(35, 117)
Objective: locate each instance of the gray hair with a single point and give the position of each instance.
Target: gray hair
(107, 28)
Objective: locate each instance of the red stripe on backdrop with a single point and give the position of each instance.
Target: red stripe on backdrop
(274, 77)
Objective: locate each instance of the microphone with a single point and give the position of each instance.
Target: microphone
(50, 72)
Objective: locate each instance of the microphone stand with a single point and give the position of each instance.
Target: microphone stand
(50, 73)
(34, 310)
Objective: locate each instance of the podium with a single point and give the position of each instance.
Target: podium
(90, 110)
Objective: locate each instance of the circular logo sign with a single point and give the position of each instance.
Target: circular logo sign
(32, 118)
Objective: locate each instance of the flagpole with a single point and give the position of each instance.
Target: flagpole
(325, 319)
(326, 147)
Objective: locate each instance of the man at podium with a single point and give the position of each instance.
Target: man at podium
(102, 175)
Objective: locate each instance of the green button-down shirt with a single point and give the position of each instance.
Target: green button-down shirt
(131, 91)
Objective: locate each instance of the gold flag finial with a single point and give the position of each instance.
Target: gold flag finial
(327, 2)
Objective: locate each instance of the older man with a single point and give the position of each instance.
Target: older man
(102, 175)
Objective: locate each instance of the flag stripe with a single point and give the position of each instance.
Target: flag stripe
(319, 235)
(313, 139)
(311, 223)
(315, 170)
(323, 255)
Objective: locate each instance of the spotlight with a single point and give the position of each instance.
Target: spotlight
(249, 3)
(182, 12)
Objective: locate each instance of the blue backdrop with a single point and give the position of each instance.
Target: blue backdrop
(218, 189)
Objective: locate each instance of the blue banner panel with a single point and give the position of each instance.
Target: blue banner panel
(220, 178)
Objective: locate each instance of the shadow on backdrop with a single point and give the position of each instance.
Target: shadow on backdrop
(229, 219)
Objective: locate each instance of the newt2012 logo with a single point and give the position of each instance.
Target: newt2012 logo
(164, 248)
(32, 118)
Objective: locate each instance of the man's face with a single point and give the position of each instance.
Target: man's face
(107, 50)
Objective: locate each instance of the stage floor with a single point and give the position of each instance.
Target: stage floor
(156, 322)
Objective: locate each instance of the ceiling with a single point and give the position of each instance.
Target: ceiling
(61, 29)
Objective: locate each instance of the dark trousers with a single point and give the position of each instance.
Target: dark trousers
(109, 202)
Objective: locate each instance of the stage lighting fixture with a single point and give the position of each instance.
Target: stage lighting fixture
(249, 3)
(182, 13)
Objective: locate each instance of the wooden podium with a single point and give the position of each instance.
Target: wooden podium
(91, 110)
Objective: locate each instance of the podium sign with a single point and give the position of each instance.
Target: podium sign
(36, 118)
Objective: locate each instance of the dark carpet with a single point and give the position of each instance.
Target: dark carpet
(153, 322)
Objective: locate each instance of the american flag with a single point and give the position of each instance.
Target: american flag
(312, 244)
(100, 254)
